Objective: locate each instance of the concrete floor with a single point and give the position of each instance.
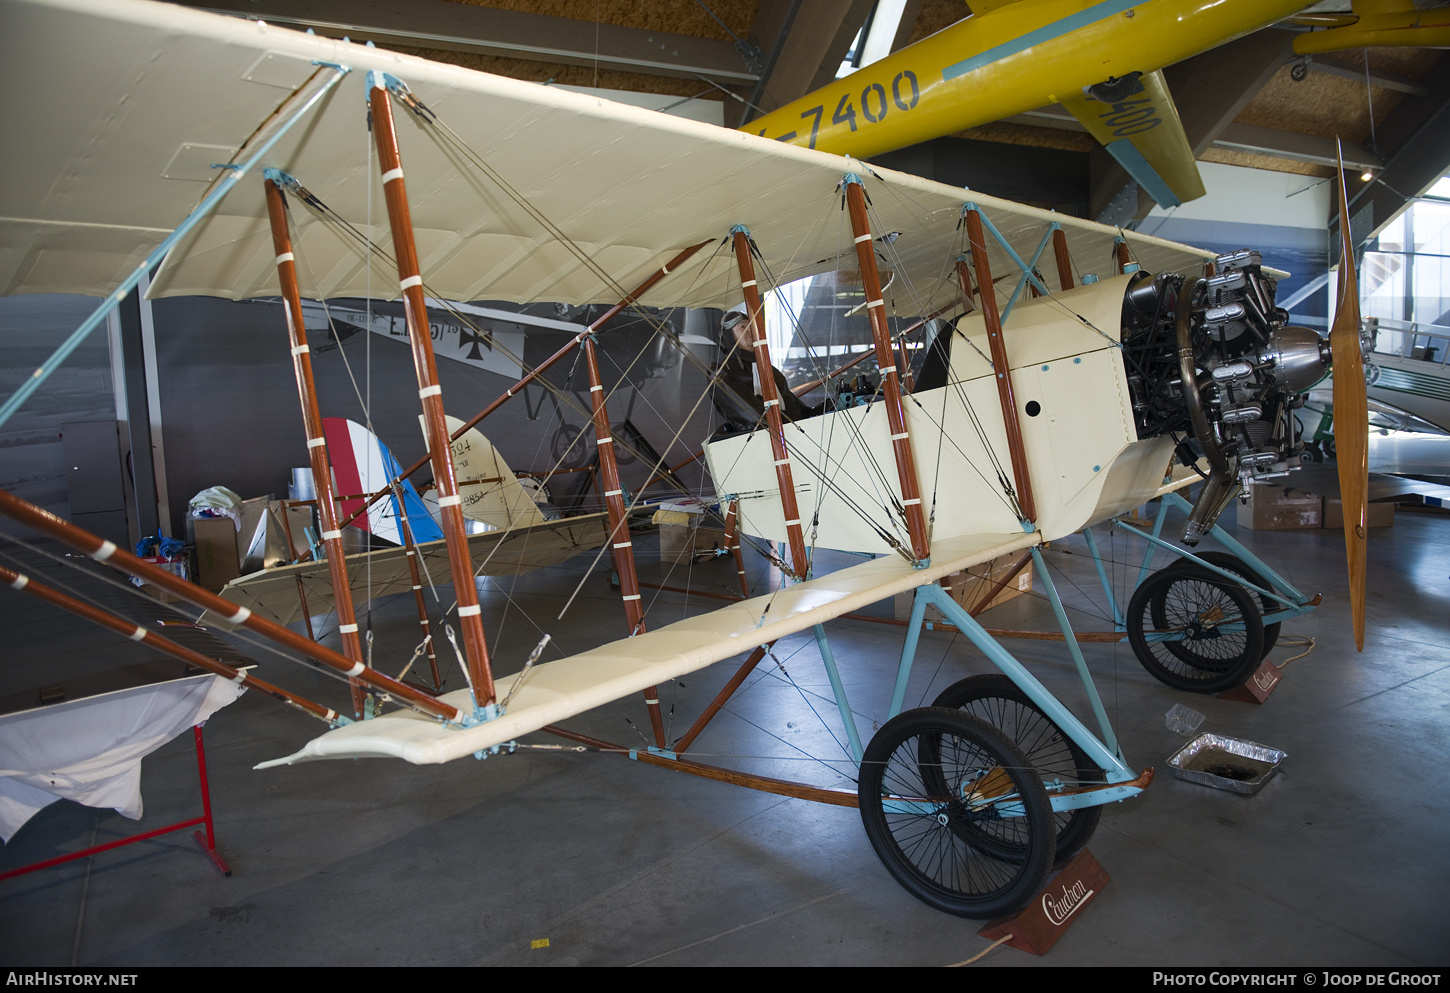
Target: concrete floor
(1338, 861)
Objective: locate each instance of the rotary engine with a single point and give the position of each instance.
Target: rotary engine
(1213, 363)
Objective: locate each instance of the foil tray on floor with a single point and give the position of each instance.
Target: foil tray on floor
(1226, 763)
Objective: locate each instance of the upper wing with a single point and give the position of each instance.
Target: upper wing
(150, 96)
(1143, 132)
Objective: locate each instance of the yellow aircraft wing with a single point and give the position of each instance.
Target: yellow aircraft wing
(1379, 22)
(1142, 131)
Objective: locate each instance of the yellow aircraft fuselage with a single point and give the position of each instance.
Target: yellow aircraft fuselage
(1007, 61)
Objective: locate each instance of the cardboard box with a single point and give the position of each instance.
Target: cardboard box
(179, 567)
(1281, 508)
(968, 587)
(682, 542)
(1381, 515)
(217, 562)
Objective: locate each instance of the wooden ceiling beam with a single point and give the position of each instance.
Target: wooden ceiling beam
(1384, 80)
(804, 42)
(1415, 143)
(1293, 145)
(457, 27)
(1213, 88)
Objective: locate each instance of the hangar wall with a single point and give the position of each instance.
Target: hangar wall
(229, 405)
(1288, 212)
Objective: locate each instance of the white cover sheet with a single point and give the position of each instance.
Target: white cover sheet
(90, 750)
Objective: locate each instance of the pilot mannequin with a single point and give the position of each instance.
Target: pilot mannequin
(736, 391)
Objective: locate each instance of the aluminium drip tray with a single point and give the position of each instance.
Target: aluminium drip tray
(1226, 763)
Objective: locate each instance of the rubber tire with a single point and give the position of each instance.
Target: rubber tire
(1200, 663)
(972, 863)
(1239, 567)
(1052, 754)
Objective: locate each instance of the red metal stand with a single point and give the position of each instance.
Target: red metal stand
(207, 843)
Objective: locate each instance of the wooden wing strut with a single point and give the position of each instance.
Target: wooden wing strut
(410, 278)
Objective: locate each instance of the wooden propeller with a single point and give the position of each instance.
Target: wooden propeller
(1351, 418)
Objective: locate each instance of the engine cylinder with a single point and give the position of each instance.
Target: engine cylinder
(1213, 362)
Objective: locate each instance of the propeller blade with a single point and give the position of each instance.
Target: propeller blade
(1351, 418)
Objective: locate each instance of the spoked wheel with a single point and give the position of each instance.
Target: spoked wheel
(956, 813)
(1058, 760)
(1238, 567)
(1195, 630)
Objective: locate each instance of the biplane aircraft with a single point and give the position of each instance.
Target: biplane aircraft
(225, 150)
